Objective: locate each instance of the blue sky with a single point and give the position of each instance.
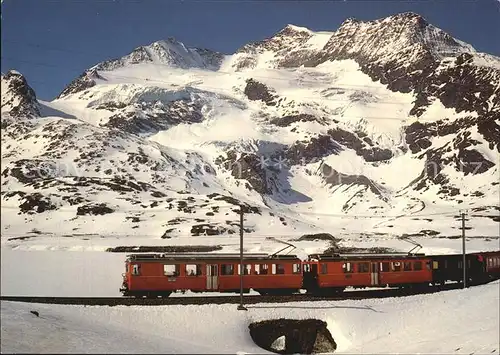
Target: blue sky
(53, 41)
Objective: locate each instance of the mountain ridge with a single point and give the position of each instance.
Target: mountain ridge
(298, 124)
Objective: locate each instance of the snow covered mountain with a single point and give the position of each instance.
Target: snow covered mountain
(384, 128)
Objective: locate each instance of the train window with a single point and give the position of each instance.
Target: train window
(135, 269)
(264, 269)
(384, 267)
(363, 267)
(347, 267)
(417, 265)
(407, 266)
(171, 270)
(296, 268)
(193, 270)
(256, 268)
(227, 269)
(324, 268)
(396, 266)
(246, 269)
(280, 269)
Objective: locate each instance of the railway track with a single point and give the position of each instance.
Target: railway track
(247, 299)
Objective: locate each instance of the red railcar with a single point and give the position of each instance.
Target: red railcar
(491, 262)
(336, 272)
(161, 274)
(153, 275)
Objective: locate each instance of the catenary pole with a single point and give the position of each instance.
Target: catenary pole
(241, 307)
(464, 263)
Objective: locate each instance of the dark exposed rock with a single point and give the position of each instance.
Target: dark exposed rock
(246, 207)
(93, 209)
(300, 336)
(334, 178)
(247, 166)
(312, 151)
(282, 43)
(165, 249)
(150, 118)
(74, 200)
(207, 229)
(363, 148)
(418, 134)
(472, 162)
(19, 99)
(255, 90)
(318, 236)
(24, 170)
(489, 128)
(335, 249)
(288, 120)
(111, 106)
(36, 203)
(83, 82)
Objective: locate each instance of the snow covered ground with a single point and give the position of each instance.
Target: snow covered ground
(451, 322)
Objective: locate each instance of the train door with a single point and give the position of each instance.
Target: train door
(212, 277)
(310, 275)
(375, 274)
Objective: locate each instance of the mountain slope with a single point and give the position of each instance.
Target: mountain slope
(314, 129)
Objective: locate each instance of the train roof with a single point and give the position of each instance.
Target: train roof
(362, 256)
(208, 256)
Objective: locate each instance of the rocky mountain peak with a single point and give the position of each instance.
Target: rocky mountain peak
(407, 34)
(168, 52)
(18, 98)
(349, 21)
(289, 37)
(291, 29)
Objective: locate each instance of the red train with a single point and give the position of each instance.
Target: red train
(154, 275)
